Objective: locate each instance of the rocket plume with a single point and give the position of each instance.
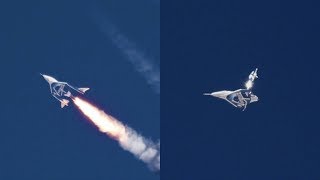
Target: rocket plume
(249, 84)
(128, 138)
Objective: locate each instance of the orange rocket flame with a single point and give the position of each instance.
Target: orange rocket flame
(106, 123)
(128, 139)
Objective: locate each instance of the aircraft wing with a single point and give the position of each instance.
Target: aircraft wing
(79, 90)
(221, 94)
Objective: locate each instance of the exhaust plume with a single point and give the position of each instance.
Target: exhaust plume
(142, 64)
(249, 84)
(128, 138)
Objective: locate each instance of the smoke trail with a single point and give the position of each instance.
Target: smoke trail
(136, 57)
(128, 138)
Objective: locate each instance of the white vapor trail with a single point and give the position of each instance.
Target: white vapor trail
(142, 148)
(136, 57)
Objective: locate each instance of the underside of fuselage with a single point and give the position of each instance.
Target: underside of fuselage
(239, 98)
(59, 89)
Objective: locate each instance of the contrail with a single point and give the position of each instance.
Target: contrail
(136, 57)
(129, 139)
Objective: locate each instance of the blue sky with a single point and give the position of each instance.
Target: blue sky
(214, 45)
(63, 39)
(205, 46)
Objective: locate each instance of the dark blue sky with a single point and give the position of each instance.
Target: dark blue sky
(63, 39)
(213, 45)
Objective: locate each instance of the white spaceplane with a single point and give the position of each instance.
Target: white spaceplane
(61, 90)
(239, 98)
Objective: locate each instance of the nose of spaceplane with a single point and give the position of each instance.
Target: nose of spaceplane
(49, 79)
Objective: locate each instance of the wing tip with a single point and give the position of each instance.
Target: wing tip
(83, 90)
